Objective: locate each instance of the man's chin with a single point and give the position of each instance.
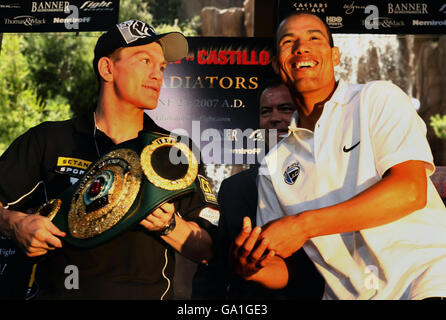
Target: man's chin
(305, 85)
(148, 106)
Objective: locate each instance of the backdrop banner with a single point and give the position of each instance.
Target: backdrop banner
(211, 96)
(373, 16)
(57, 16)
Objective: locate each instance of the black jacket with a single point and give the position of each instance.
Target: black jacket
(237, 198)
(41, 164)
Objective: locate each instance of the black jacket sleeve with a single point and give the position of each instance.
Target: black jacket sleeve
(21, 184)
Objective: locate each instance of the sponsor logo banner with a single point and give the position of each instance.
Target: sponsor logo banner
(374, 16)
(211, 97)
(71, 166)
(57, 16)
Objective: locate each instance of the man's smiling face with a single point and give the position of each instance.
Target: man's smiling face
(138, 75)
(305, 59)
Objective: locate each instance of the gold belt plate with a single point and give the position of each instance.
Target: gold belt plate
(105, 194)
(161, 182)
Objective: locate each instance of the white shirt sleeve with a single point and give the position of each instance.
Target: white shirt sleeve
(397, 133)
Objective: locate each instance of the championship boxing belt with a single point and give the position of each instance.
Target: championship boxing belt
(122, 188)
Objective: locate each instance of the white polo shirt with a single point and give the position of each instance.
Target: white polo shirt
(363, 131)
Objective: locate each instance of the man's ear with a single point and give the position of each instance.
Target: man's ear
(275, 64)
(105, 68)
(336, 56)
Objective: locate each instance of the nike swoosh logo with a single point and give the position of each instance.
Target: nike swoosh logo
(351, 148)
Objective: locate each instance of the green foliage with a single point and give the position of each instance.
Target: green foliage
(438, 123)
(61, 63)
(60, 66)
(164, 12)
(166, 15)
(134, 9)
(50, 76)
(20, 106)
(194, 25)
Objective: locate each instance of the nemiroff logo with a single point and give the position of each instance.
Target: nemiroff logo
(49, 6)
(97, 6)
(407, 8)
(28, 21)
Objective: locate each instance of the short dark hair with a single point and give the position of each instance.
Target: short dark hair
(298, 13)
(273, 80)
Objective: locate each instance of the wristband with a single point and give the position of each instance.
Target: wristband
(169, 228)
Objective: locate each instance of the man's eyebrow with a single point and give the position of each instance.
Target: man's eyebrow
(143, 52)
(317, 31)
(286, 104)
(265, 108)
(140, 52)
(285, 35)
(290, 34)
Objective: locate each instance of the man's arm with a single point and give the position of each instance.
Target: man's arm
(402, 190)
(188, 238)
(34, 233)
(254, 263)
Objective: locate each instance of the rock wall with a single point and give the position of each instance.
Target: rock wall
(429, 87)
(230, 22)
(190, 8)
(222, 22)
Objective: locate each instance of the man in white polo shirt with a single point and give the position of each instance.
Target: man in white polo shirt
(350, 183)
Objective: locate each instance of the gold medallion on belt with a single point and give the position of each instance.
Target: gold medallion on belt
(105, 193)
(162, 157)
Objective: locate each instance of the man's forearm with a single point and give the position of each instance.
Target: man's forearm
(274, 276)
(7, 218)
(402, 191)
(189, 239)
(398, 194)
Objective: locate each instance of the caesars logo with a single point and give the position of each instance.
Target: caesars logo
(318, 7)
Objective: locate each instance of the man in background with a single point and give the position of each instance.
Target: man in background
(237, 198)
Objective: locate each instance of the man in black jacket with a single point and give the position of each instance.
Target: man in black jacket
(237, 198)
(129, 62)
